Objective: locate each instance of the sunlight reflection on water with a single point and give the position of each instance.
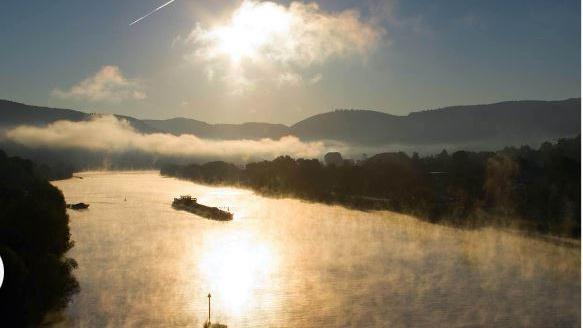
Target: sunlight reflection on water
(287, 263)
(237, 265)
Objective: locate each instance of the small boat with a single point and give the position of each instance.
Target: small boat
(189, 204)
(78, 206)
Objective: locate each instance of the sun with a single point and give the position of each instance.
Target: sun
(251, 27)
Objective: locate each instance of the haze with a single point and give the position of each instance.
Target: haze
(290, 163)
(236, 61)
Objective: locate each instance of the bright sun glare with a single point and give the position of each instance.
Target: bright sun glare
(236, 265)
(252, 27)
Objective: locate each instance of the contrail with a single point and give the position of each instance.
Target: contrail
(151, 12)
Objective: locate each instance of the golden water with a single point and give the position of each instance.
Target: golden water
(287, 263)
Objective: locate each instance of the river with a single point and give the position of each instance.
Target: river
(288, 263)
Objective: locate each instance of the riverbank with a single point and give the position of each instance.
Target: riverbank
(526, 189)
(34, 244)
(371, 204)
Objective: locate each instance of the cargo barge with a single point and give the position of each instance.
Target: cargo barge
(189, 204)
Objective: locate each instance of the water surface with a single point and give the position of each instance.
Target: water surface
(288, 263)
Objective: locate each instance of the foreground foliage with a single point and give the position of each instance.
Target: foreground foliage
(519, 187)
(34, 237)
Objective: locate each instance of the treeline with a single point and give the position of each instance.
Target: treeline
(34, 238)
(49, 164)
(527, 188)
(58, 171)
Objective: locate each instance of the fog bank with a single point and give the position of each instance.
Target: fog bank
(114, 136)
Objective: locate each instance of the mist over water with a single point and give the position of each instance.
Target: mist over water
(109, 134)
(288, 263)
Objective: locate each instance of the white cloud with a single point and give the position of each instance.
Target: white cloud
(316, 78)
(266, 41)
(289, 78)
(108, 134)
(108, 85)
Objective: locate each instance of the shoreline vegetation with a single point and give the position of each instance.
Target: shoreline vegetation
(34, 239)
(531, 190)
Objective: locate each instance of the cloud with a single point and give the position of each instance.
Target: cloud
(295, 79)
(112, 135)
(265, 41)
(289, 78)
(315, 79)
(388, 12)
(107, 85)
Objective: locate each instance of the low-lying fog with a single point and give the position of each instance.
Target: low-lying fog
(287, 263)
(107, 139)
(112, 135)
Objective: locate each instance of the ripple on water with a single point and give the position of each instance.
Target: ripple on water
(288, 263)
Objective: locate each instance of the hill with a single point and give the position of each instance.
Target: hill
(512, 122)
(492, 125)
(249, 130)
(13, 114)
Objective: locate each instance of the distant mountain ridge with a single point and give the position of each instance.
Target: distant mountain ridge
(512, 120)
(249, 130)
(13, 114)
(504, 123)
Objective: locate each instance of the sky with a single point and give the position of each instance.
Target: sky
(227, 61)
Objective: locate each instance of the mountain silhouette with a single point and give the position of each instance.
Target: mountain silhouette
(509, 122)
(504, 123)
(250, 130)
(13, 114)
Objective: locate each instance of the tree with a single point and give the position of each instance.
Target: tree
(34, 237)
